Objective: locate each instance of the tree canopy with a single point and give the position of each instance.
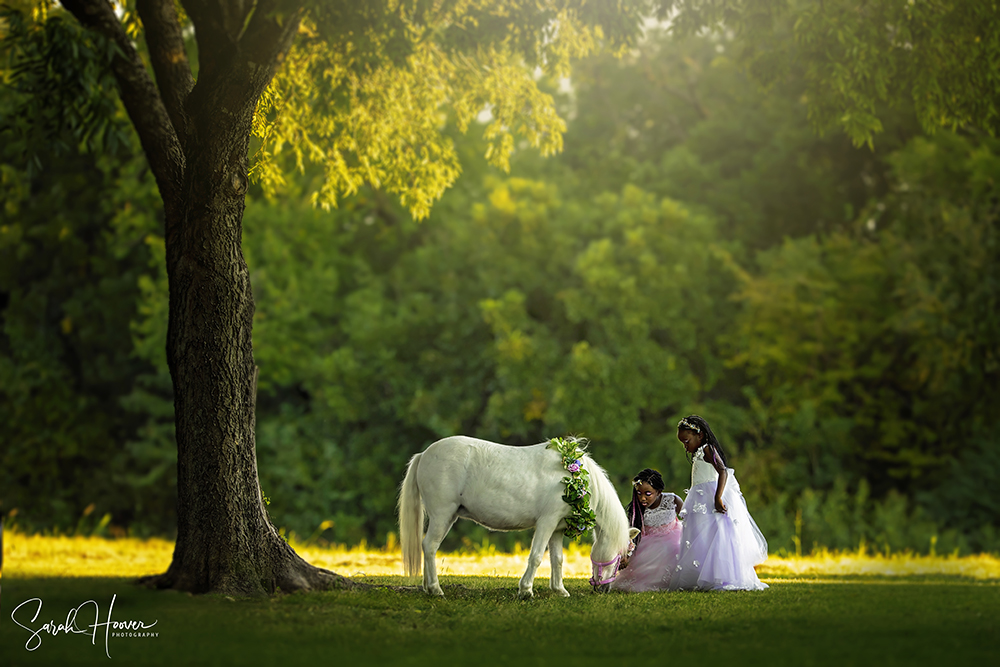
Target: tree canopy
(361, 90)
(859, 57)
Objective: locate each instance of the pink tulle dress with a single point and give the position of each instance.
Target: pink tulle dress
(717, 551)
(655, 556)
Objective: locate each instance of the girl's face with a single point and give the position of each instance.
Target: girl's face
(690, 439)
(648, 496)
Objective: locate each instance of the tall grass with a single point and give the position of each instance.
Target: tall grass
(92, 556)
(843, 519)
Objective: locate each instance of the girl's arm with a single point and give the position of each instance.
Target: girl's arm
(720, 467)
(678, 503)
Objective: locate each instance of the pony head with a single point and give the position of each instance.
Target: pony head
(611, 533)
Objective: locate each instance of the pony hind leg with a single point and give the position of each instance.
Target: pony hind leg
(437, 527)
(543, 533)
(556, 560)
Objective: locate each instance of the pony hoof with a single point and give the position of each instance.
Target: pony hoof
(561, 592)
(435, 590)
(526, 595)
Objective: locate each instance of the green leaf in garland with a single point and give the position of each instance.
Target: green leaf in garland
(577, 496)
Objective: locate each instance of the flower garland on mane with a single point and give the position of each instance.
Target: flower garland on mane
(577, 496)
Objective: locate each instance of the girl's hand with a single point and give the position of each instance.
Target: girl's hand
(628, 555)
(720, 506)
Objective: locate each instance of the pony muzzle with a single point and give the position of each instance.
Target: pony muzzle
(604, 573)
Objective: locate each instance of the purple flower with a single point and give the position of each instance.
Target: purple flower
(574, 466)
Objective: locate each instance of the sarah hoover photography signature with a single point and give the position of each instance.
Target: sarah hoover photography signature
(72, 625)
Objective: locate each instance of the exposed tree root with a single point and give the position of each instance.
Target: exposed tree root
(263, 572)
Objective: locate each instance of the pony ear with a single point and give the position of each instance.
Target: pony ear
(632, 532)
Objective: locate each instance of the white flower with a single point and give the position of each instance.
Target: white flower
(699, 507)
(697, 564)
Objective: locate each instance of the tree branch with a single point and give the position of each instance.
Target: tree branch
(266, 38)
(169, 57)
(140, 96)
(214, 40)
(255, 32)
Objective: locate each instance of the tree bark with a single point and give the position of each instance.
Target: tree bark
(196, 138)
(225, 540)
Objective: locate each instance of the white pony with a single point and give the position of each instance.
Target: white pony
(504, 488)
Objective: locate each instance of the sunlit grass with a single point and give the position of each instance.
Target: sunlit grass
(826, 563)
(48, 556)
(78, 556)
(478, 560)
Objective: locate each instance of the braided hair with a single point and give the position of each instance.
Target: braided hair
(634, 510)
(701, 426)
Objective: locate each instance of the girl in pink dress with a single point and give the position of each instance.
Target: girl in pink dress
(653, 515)
(721, 542)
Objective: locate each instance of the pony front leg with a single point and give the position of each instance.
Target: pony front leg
(543, 532)
(556, 559)
(437, 528)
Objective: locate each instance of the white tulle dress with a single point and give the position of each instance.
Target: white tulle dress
(655, 556)
(717, 551)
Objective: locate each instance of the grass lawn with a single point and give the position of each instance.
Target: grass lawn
(833, 620)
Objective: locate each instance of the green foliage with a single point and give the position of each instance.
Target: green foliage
(688, 123)
(72, 253)
(365, 94)
(577, 484)
(846, 519)
(859, 55)
(80, 218)
(868, 348)
(61, 97)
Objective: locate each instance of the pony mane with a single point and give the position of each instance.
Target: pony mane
(606, 505)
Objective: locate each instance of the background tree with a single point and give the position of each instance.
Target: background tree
(73, 247)
(364, 91)
(679, 117)
(859, 57)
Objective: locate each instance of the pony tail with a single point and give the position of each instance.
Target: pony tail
(411, 519)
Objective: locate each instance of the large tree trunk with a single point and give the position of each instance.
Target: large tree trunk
(225, 539)
(196, 139)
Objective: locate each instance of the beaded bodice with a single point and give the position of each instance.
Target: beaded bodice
(663, 514)
(701, 470)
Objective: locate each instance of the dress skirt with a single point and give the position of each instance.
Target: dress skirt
(718, 551)
(653, 562)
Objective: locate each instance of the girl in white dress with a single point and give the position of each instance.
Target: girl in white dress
(653, 515)
(721, 542)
